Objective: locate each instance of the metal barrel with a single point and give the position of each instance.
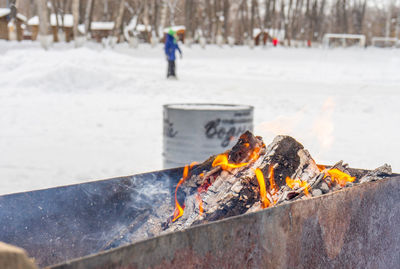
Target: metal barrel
(194, 132)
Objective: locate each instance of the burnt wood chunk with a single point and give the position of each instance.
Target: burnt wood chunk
(245, 146)
(230, 192)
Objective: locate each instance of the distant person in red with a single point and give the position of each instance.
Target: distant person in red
(275, 41)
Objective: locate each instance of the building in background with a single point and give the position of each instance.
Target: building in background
(5, 26)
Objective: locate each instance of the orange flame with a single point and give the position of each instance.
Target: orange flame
(263, 192)
(200, 201)
(321, 167)
(222, 160)
(273, 188)
(178, 208)
(300, 184)
(339, 177)
(336, 175)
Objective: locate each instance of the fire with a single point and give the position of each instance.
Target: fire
(300, 184)
(200, 201)
(273, 188)
(321, 167)
(178, 208)
(336, 175)
(339, 177)
(255, 154)
(222, 160)
(263, 192)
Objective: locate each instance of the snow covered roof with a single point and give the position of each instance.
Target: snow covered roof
(6, 11)
(21, 17)
(97, 25)
(142, 28)
(33, 21)
(175, 28)
(102, 25)
(68, 20)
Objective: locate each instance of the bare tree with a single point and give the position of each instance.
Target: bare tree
(75, 14)
(88, 16)
(226, 19)
(43, 23)
(118, 21)
(397, 29)
(216, 20)
(155, 18)
(13, 25)
(164, 13)
(252, 18)
(172, 8)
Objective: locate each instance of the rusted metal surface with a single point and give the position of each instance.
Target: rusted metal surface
(357, 227)
(63, 223)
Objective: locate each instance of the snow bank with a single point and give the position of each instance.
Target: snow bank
(71, 115)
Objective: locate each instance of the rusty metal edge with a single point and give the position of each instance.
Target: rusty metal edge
(108, 257)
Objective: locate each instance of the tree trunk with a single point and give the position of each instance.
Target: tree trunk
(388, 22)
(188, 19)
(164, 13)
(43, 23)
(13, 9)
(146, 20)
(172, 6)
(12, 26)
(75, 14)
(156, 6)
(288, 19)
(345, 22)
(397, 25)
(88, 16)
(56, 13)
(118, 21)
(252, 18)
(226, 19)
(105, 11)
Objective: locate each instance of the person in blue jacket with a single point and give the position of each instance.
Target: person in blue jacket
(170, 47)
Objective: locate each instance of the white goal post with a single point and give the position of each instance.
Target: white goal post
(343, 38)
(385, 40)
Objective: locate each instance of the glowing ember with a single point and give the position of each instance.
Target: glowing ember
(297, 183)
(222, 160)
(200, 201)
(178, 208)
(273, 188)
(336, 175)
(339, 177)
(263, 192)
(321, 167)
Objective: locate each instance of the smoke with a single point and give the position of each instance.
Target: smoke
(314, 129)
(282, 125)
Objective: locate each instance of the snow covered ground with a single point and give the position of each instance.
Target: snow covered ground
(72, 115)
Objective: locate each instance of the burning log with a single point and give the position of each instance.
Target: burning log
(251, 176)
